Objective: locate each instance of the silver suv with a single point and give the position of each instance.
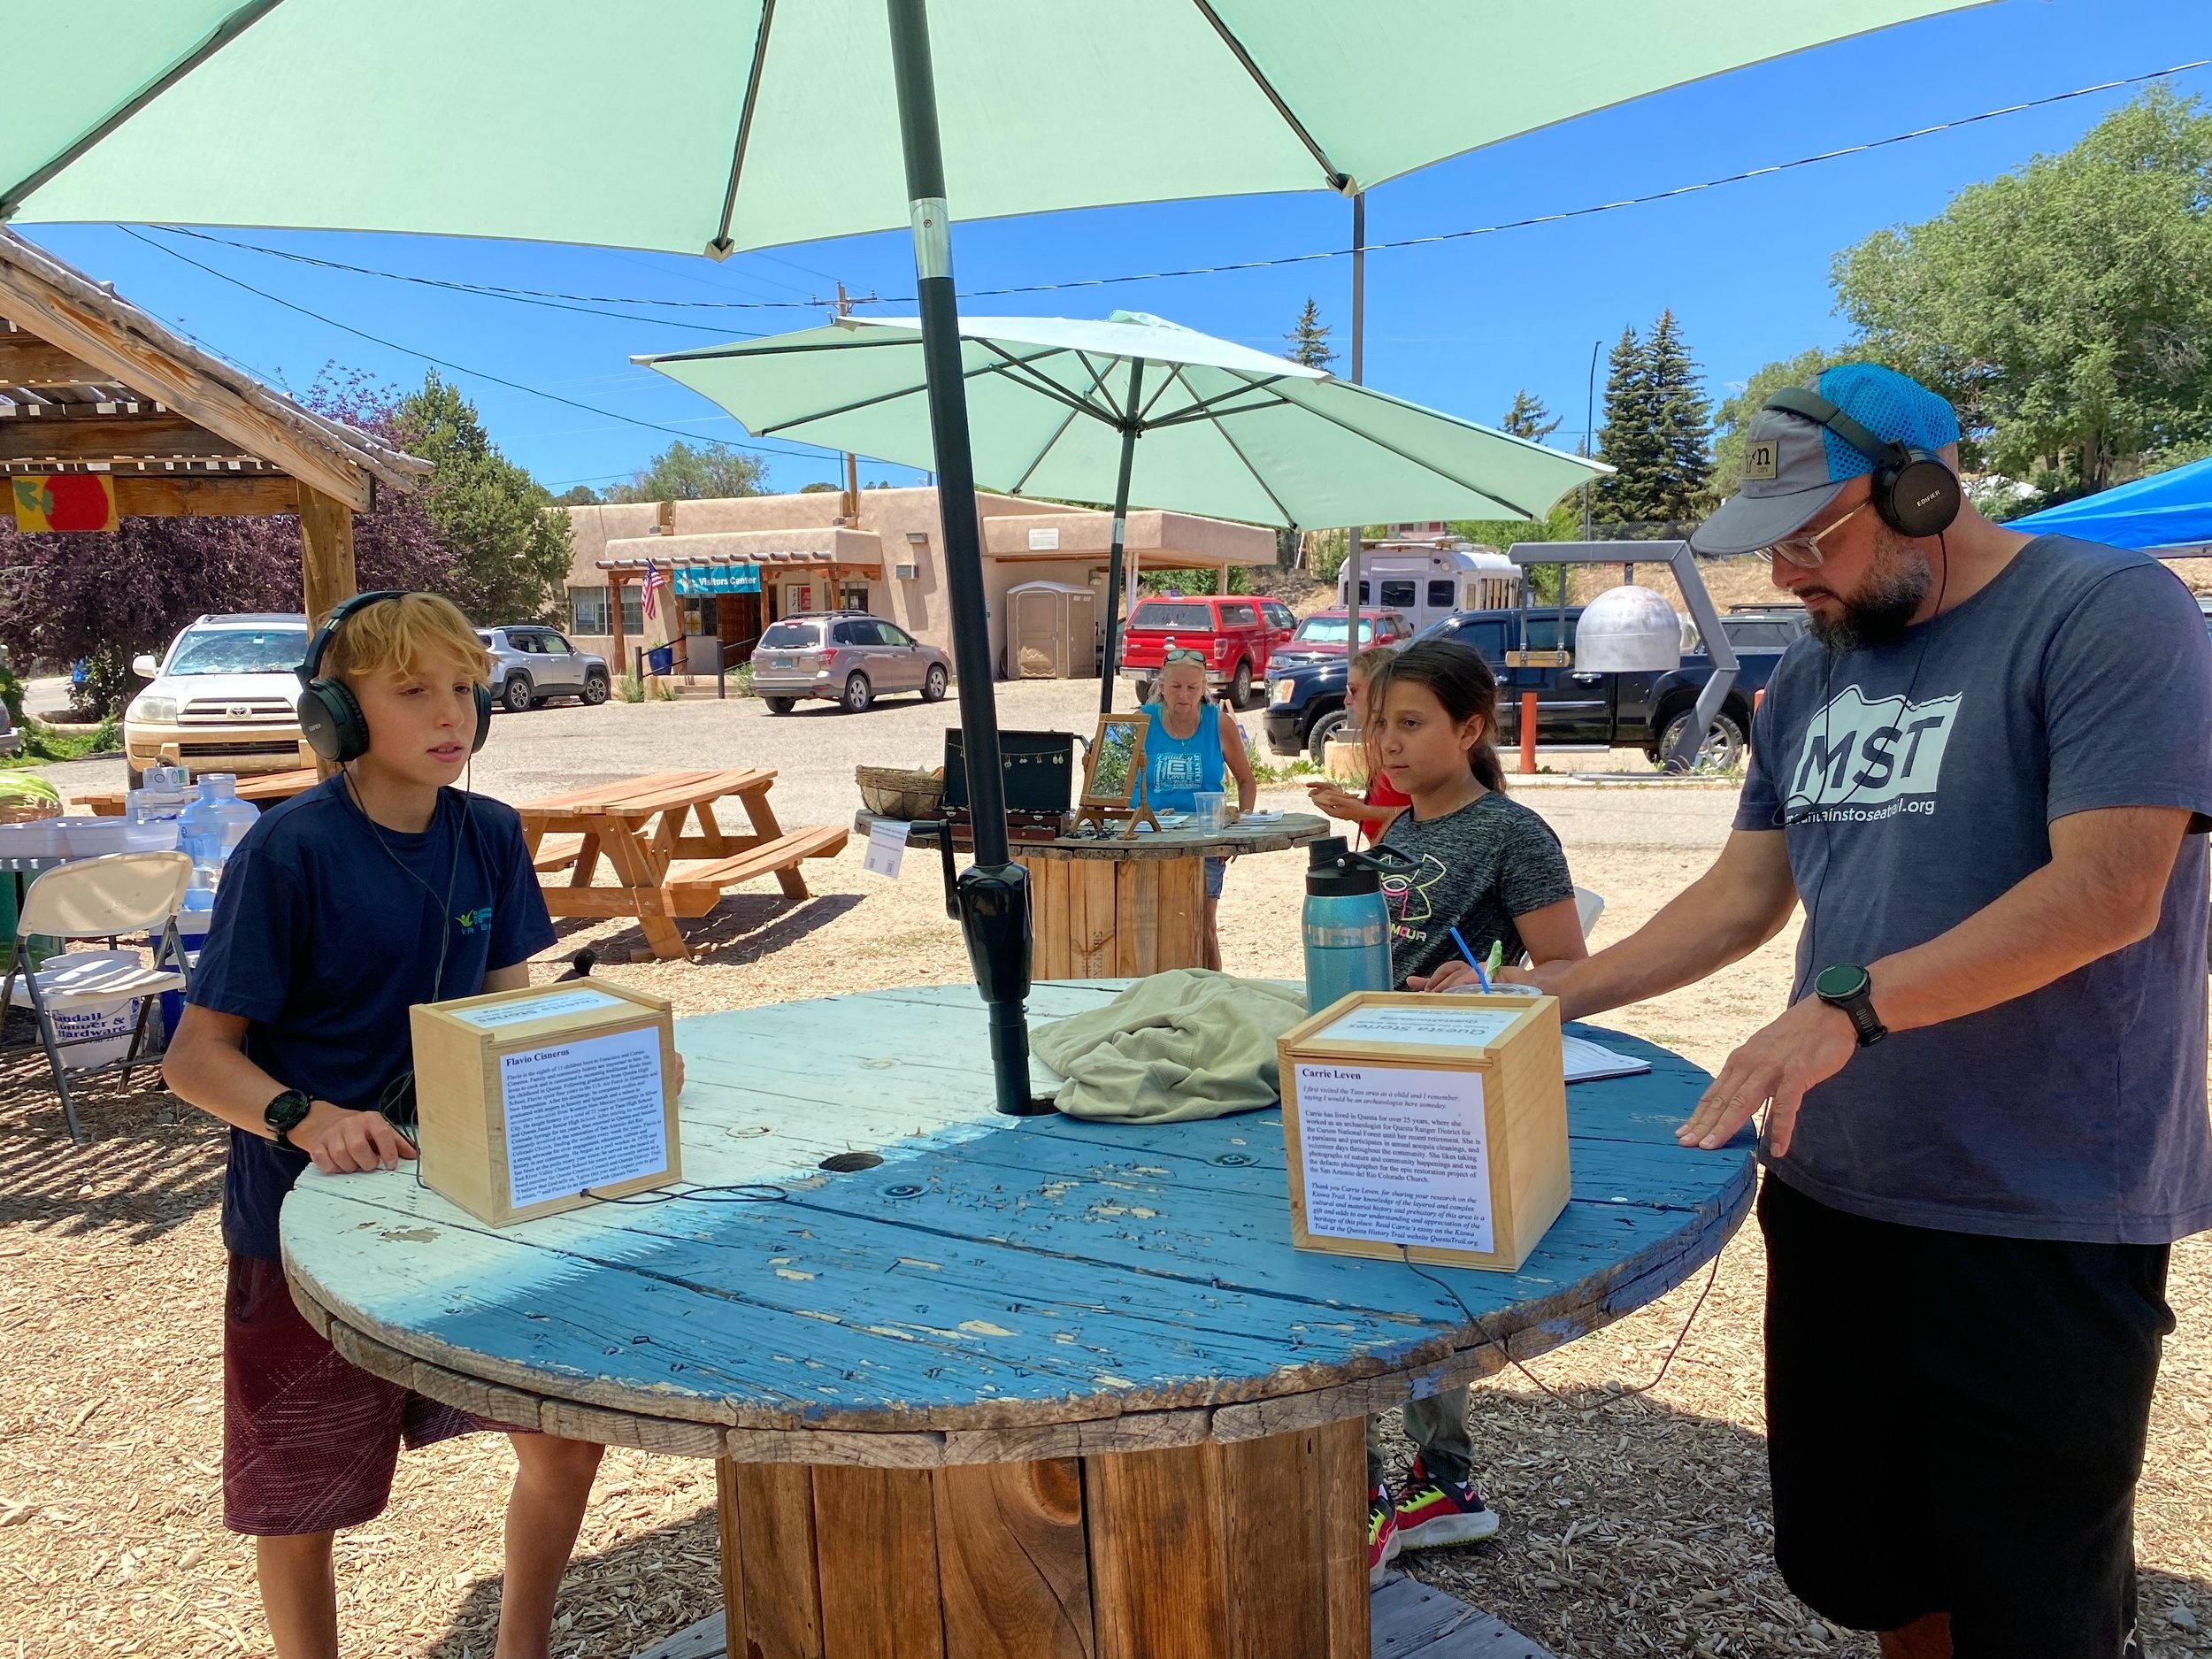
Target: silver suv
(531, 664)
(846, 657)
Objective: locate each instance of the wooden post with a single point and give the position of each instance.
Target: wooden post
(326, 553)
(1221, 578)
(1528, 733)
(326, 575)
(620, 648)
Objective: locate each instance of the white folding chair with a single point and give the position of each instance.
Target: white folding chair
(101, 898)
(1588, 907)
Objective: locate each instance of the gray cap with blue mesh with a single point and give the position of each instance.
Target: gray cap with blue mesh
(1794, 467)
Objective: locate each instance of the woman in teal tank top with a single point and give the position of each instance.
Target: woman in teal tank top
(1182, 757)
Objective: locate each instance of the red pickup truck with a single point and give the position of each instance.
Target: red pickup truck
(1234, 633)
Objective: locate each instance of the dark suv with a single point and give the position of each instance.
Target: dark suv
(1574, 707)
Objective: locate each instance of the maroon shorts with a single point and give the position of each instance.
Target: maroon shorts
(309, 1440)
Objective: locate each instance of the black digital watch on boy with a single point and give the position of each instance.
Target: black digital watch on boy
(284, 1114)
(1851, 989)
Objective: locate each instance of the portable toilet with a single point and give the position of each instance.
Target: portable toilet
(1054, 633)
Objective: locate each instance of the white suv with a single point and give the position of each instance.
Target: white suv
(224, 699)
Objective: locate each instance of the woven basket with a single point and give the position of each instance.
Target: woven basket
(895, 791)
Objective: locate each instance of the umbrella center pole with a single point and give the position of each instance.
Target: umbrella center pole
(993, 894)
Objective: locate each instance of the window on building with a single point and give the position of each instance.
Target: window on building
(587, 611)
(700, 615)
(632, 610)
(852, 593)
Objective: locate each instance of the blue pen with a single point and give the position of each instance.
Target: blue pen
(1482, 979)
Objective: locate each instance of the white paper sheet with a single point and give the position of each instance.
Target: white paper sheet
(1395, 1154)
(1443, 1025)
(580, 1001)
(583, 1114)
(886, 847)
(1586, 1061)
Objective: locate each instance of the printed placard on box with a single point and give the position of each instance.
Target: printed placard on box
(1429, 1128)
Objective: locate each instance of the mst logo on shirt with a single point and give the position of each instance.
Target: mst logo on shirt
(1861, 762)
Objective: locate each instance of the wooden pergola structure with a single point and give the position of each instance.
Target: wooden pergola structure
(91, 384)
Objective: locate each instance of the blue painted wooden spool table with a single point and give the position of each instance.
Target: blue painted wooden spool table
(1023, 1387)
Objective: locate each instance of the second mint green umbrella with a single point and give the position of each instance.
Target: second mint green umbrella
(1135, 410)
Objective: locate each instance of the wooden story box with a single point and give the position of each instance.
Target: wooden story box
(528, 1101)
(1438, 1124)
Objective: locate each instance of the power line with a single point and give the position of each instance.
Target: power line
(1559, 216)
(458, 368)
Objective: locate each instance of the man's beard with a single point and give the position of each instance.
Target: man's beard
(1896, 583)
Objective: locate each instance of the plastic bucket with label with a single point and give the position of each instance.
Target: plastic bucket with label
(94, 1034)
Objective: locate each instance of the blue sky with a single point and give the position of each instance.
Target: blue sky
(1459, 327)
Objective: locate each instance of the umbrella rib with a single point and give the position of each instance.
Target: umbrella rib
(1098, 385)
(1018, 369)
(1211, 408)
(223, 34)
(1427, 466)
(1339, 179)
(887, 397)
(1289, 518)
(1038, 459)
(721, 244)
(764, 349)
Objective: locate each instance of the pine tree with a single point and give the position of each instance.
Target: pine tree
(1628, 441)
(1682, 424)
(1309, 339)
(1527, 418)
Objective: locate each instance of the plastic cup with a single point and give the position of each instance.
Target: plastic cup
(1213, 809)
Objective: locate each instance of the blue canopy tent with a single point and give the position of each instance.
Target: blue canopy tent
(2172, 509)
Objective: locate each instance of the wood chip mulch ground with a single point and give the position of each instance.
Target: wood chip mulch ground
(1634, 1523)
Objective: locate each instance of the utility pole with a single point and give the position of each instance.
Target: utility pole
(842, 306)
(1359, 337)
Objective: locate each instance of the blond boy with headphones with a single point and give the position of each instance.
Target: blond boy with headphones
(380, 888)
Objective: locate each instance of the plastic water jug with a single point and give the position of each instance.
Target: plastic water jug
(1346, 925)
(208, 829)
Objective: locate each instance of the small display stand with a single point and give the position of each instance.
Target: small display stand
(1113, 778)
(529, 1103)
(1433, 1127)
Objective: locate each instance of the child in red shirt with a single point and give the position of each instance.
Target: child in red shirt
(1374, 810)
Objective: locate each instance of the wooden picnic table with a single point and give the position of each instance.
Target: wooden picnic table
(261, 788)
(1106, 905)
(1005, 1386)
(642, 827)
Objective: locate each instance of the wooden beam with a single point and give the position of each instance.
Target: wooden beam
(37, 307)
(200, 496)
(107, 437)
(325, 553)
(27, 360)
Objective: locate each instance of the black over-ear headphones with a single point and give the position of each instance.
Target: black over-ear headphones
(330, 715)
(1914, 492)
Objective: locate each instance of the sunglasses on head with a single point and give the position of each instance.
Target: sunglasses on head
(1804, 551)
(1184, 655)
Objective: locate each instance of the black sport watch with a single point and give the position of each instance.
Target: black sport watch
(284, 1114)
(1851, 989)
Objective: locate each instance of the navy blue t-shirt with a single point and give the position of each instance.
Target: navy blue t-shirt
(323, 942)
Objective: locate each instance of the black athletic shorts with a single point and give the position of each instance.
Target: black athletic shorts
(1955, 1423)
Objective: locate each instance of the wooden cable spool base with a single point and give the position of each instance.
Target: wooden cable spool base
(1026, 1386)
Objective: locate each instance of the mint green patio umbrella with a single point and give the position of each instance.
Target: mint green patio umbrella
(709, 126)
(1056, 408)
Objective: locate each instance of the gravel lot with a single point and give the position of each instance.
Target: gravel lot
(1634, 1523)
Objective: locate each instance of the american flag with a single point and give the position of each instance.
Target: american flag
(652, 581)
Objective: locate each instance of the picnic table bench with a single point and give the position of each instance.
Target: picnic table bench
(644, 827)
(262, 789)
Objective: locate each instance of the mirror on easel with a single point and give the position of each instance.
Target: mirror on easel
(1113, 778)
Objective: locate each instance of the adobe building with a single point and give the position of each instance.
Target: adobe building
(737, 564)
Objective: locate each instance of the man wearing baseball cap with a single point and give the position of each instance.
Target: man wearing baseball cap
(1984, 775)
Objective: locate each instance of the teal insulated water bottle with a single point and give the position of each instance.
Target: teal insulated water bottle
(1346, 925)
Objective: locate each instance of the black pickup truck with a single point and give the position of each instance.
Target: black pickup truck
(1305, 704)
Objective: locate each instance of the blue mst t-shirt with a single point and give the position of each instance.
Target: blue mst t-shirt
(1916, 784)
(323, 942)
